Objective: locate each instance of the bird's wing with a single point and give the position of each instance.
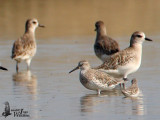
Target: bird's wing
(131, 90)
(106, 79)
(22, 46)
(107, 45)
(18, 48)
(110, 45)
(119, 58)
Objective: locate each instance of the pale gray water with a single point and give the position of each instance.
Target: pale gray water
(51, 93)
(48, 92)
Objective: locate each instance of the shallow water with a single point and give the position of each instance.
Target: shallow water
(49, 92)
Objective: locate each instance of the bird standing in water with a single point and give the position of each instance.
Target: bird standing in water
(104, 46)
(133, 90)
(127, 61)
(95, 79)
(25, 47)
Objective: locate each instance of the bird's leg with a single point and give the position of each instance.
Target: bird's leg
(99, 91)
(125, 79)
(28, 61)
(123, 84)
(17, 66)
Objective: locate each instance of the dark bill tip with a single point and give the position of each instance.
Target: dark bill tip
(41, 25)
(74, 69)
(2, 68)
(148, 39)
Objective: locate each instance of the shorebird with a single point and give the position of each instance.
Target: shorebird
(133, 90)
(25, 47)
(104, 46)
(95, 79)
(127, 61)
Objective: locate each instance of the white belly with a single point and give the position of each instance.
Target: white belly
(123, 71)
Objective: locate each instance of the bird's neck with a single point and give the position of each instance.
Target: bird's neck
(30, 33)
(137, 48)
(134, 85)
(101, 32)
(84, 70)
(30, 30)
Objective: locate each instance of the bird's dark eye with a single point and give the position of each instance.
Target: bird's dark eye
(139, 36)
(34, 22)
(97, 25)
(80, 64)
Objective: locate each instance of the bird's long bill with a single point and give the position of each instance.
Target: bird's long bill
(40, 25)
(74, 69)
(2, 68)
(148, 39)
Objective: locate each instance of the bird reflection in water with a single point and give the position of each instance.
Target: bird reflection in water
(27, 79)
(90, 100)
(137, 105)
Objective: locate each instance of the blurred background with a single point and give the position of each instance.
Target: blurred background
(77, 18)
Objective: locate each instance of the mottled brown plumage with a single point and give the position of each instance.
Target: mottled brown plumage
(25, 47)
(118, 59)
(104, 45)
(95, 79)
(127, 61)
(133, 90)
